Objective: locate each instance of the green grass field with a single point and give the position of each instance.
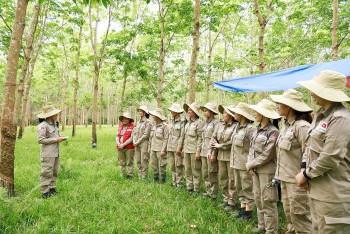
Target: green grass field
(94, 198)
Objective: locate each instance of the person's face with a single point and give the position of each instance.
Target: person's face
(156, 119)
(191, 113)
(141, 113)
(283, 110)
(125, 121)
(258, 117)
(54, 118)
(238, 117)
(226, 116)
(207, 113)
(173, 114)
(317, 100)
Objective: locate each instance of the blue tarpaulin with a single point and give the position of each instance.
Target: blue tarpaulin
(283, 79)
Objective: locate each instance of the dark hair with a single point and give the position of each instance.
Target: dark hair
(147, 115)
(303, 116)
(275, 123)
(41, 120)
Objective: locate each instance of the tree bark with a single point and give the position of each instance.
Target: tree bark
(161, 54)
(195, 49)
(335, 45)
(8, 126)
(207, 85)
(101, 108)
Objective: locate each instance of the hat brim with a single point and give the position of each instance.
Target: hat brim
(215, 112)
(333, 95)
(121, 118)
(194, 109)
(154, 113)
(264, 112)
(146, 111)
(176, 111)
(224, 108)
(49, 114)
(243, 113)
(298, 106)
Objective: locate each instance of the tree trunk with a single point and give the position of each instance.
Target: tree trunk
(335, 44)
(161, 55)
(195, 49)
(25, 65)
(101, 108)
(207, 85)
(76, 83)
(8, 126)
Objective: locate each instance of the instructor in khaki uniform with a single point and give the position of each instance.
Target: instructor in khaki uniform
(140, 136)
(174, 146)
(49, 138)
(290, 148)
(192, 147)
(262, 166)
(209, 163)
(326, 161)
(221, 142)
(158, 144)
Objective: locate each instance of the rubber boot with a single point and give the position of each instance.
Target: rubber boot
(239, 213)
(156, 177)
(162, 179)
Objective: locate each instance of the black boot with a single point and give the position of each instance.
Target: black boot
(53, 192)
(162, 179)
(156, 177)
(247, 215)
(238, 214)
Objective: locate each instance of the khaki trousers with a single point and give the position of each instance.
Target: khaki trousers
(266, 202)
(329, 217)
(227, 182)
(244, 186)
(192, 172)
(296, 208)
(126, 161)
(48, 175)
(142, 158)
(179, 163)
(210, 176)
(205, 173)
(171, 160)
(158, 163)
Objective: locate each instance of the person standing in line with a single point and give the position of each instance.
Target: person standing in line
(209, 166)
(49, 139)
(192, 144)
(125, 147)
(325, 169)
(221, 142)
(140, 137)
(290, 148)
(261, 165)
(174, 146)
(241, 140)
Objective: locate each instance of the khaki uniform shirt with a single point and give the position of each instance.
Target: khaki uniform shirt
(159, 137)
(240, 145)
(223, 135)
(47, 137)
(141, 132)
(192, 136)
(176, 129)
(290, 148)
(262, 152)
(208, 131)
(327, 155)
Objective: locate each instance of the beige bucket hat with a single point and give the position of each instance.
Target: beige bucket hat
(243, 109)
(126, 115)
(193, 106)
(328, 85)
(226, 109)
(159, 113)
(293, 99)
(144, 108)
(48, 111)
(210, 106)
(266, 108)
(176, 108)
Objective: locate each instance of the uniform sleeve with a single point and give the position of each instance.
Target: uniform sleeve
(166, 136)
(180, 143)
(301, 135)
(42, 139)
(117, 138)
(200, 135)
(133, 134)
(228, 144)
(334, 150)
(269, 151)
(146, 133)
(211, 149)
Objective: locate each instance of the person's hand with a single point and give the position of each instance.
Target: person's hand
(300, 178)
(60, 139)
(212, 158)
(162, 154)
(182, 154)
(197, 156)
(136, 144)
(217, 145)
(251, 172)
(121, 146)
(178, 152)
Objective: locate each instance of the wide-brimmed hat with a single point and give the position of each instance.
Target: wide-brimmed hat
(126, 115)
(48, 111)
(210, 106)
(176, 108)
(328, 85)
(293, 99)
(144, 108)
(159, 113)
(225, 108)
(266, 108)
(193, 106)
(243, 109)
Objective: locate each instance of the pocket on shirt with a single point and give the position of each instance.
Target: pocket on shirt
(238, 142)
(191, 133)
(159, 134)
(285, 144)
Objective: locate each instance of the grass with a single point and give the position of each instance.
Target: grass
(94, 198)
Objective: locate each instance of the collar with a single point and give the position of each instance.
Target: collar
(290, 121)
(326, 112)
(209, 120)
(264, 128)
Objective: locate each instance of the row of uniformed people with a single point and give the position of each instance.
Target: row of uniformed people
(311, 161)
